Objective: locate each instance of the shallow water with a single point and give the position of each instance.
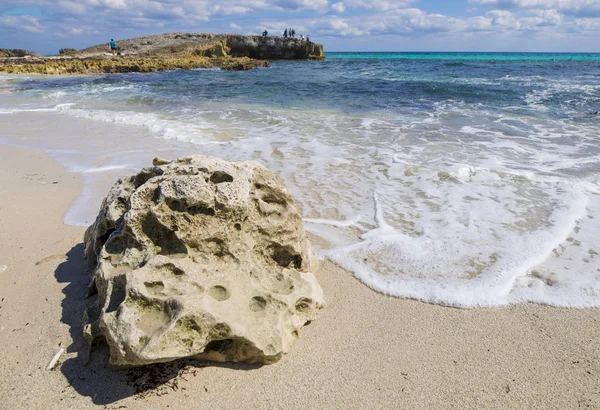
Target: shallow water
(461, 179)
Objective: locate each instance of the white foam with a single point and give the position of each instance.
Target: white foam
(8, 111)
(431, 266)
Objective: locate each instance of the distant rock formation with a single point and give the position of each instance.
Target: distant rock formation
(16, 52)
(200, 257)
(67, 51)
(217, 45)
(168, 51)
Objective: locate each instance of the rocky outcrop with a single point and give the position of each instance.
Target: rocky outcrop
(168, 51)
(16, 52)
(273, 48)
(216, 45)
(61, 66)
(67, 51)
(202, 258)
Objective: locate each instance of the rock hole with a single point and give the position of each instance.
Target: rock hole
(284, 256)
(189, 323)
(219, 293)
(219, 346)
(304, 304)
(257, 304)
(220, 176)
(238, 227)
(146, 173)
(162, 237)
(116, 245)
(118, 293)
(218, 247)
(156, 195)
(201, 210)
(175, 205)
(273, 198)
(106, 235)
(169, 268)
(220, 331)
(154, 287)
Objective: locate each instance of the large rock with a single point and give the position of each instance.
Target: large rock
(203, 258)
(216, 45)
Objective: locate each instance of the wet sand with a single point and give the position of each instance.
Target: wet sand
(366, 350)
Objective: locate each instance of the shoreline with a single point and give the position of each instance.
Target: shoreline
(365, 350)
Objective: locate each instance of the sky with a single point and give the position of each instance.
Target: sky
(46, 26)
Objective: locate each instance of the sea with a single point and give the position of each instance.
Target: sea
(461, 179)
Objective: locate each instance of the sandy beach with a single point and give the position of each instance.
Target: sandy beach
(366, 350)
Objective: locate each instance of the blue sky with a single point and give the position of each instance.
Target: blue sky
(340, 25)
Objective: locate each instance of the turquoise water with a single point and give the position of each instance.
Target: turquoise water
(465, 179)
(467, 56)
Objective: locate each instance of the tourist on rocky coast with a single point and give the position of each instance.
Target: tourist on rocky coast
(113, 47)
(285, 33)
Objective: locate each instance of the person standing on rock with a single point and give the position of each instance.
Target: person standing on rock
(285, 33)
(308, 38)
(113, 47)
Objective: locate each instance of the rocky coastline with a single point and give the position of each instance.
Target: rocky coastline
(169, 51)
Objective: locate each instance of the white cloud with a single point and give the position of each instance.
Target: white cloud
(573, 7)
(381, 5)
(27, 23)
(585, 25)
(338, 7)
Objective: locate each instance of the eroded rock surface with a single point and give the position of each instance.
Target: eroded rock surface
(203, 258)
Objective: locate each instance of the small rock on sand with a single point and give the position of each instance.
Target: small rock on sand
(3, 268)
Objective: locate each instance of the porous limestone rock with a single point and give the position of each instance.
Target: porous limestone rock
(200, 257)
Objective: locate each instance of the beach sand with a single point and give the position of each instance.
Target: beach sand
(366, 350)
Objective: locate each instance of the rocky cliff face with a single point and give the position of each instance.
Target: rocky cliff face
(273, 48)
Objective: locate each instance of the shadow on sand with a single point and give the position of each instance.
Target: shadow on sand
(97, 379)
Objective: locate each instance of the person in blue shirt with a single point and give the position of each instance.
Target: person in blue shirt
(113, 47)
